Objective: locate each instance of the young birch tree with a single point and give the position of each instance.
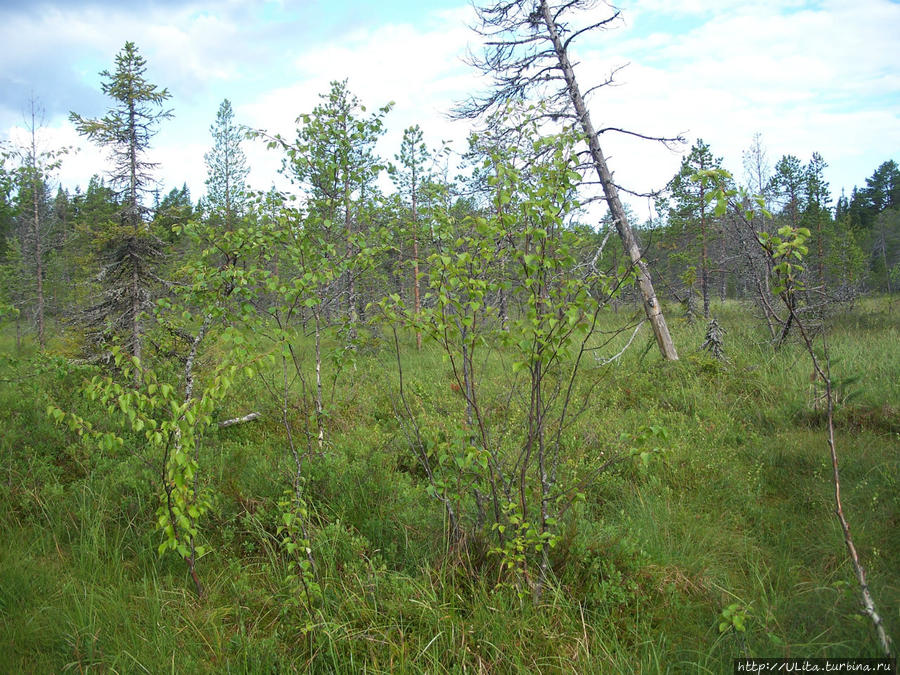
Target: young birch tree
(787, 250)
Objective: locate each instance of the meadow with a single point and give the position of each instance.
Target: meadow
(716, 539)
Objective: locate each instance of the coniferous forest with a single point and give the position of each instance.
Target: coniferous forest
(443, 412)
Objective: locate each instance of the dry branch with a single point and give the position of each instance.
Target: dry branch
(239, 420)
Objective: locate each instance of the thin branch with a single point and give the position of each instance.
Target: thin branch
(599, 24)
(625, 348)
(665, 140)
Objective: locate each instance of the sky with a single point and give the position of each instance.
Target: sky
(809, 76)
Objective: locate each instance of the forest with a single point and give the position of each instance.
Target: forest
(443, 412)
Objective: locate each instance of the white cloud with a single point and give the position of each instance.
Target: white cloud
(77, 165)
(421, 72)
(821, 76)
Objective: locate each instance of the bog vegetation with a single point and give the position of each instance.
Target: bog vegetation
(442, 428)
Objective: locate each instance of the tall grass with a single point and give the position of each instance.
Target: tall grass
(735, 509)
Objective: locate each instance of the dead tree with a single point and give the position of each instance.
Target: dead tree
(527, 52)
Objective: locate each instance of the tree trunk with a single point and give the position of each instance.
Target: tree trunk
(887, 271)
(134, 217)
(38, 255)
(348, 275)
(320, 428)
(136, 323)
(704, 258)
(820, 252)
(723, 266)
(651, 304)
(504, 310)
(417, 304)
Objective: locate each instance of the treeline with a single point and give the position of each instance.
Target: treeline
(854, 244)
(99, 260)
(71, 235)
(51, 238)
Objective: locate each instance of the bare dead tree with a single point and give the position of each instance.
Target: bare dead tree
(36, 224)
(526, 52)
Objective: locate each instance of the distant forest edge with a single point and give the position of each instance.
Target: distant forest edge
(49, 234)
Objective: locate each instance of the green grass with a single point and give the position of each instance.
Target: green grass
(736, 509)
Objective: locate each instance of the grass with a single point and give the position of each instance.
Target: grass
(736, 508)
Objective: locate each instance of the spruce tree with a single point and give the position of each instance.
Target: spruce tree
(226, 165)
(130, 251)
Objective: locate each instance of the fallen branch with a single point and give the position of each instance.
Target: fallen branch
(239, 420)
(625, 348)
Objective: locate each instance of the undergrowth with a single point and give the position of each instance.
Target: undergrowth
(728, 514)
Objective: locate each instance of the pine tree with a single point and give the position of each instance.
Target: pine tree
(788, 185)
(409, 178)
(690, 212)
(227, 170)
(883, 188)
(817, 213)
(131, 251)
(882, 192)
(334, 157)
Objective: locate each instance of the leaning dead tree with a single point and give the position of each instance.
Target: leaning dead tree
(526, 52)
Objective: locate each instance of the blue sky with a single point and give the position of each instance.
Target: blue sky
(810, 76)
